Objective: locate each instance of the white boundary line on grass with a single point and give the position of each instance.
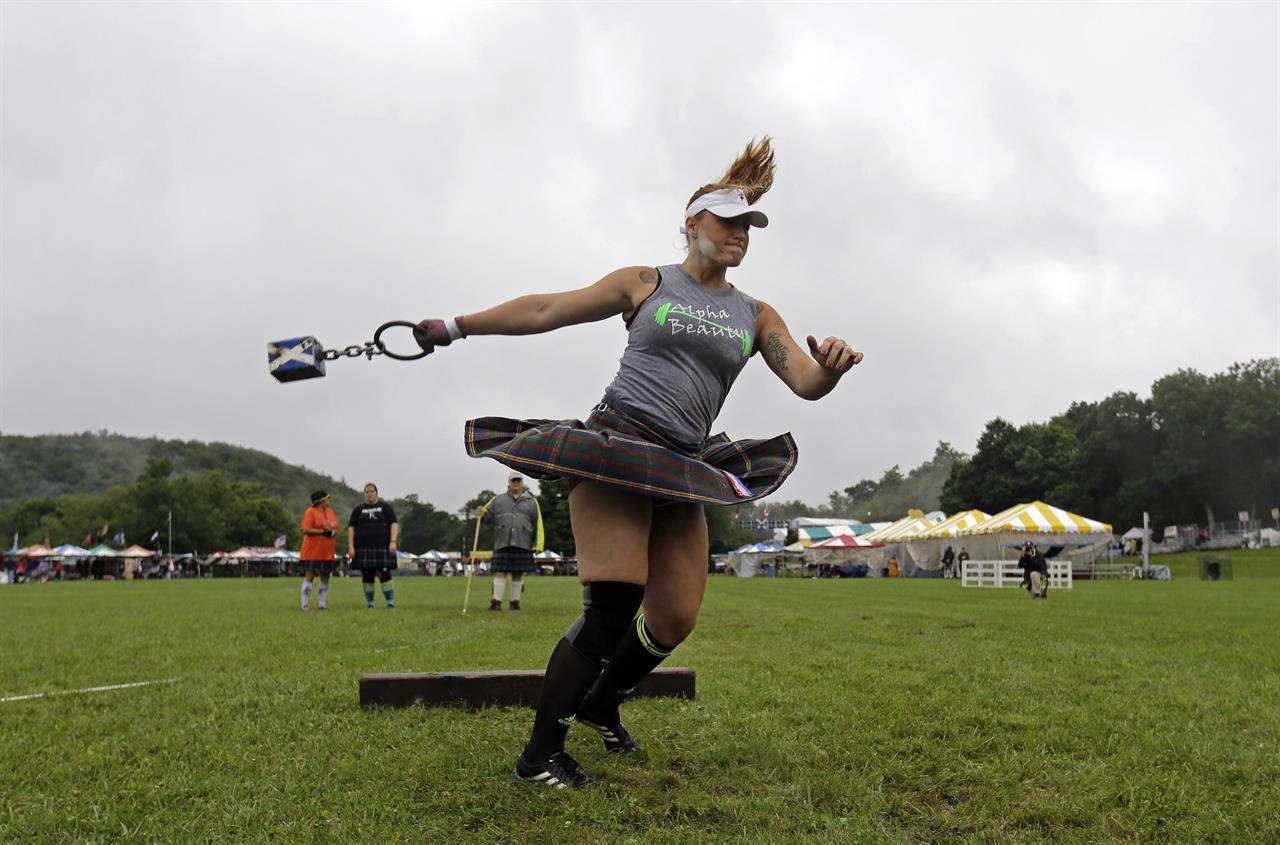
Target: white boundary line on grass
(428, 642)
(34, 695)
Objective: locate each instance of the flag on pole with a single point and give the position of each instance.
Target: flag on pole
(15, 542)
(155, 535)
(280, 541)
(118, 539)
(87, 538)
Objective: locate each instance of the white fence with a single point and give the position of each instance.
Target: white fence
(1005, 573)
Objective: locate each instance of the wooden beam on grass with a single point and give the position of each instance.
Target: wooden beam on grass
(496, 689)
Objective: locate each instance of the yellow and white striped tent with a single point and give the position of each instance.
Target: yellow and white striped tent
(953, 525)
(924, 549)
(904, 529)
(1043, 524)
(1037, 518)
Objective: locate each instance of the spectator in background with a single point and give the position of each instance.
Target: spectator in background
(517, 534)
(948, 563)
(372, 532)
(319, 538)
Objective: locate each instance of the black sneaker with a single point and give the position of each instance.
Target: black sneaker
(617, 739)
(560, 771)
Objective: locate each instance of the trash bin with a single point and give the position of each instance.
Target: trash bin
(1215, 568)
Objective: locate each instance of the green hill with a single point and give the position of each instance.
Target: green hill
(53, 465)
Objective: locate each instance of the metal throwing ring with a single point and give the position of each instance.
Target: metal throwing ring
(377, 340)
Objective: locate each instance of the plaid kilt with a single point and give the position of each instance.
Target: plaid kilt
(321, 567)
(374, 559)
(615, 449)
(511, 559)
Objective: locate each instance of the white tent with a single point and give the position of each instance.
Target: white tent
(69, 550)
(747, 561)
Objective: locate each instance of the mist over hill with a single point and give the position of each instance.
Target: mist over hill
(53, 465)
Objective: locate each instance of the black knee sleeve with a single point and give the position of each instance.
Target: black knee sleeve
(608, 610)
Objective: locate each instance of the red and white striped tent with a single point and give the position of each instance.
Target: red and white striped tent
(843, 550)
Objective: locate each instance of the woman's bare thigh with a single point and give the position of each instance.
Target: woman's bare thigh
(677, 571)
(611, 532)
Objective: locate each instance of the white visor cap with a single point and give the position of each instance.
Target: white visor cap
(727, 203)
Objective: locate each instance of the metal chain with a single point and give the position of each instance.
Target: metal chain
(375, 346)
(369, 349)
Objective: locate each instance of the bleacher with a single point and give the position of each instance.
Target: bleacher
(1099, 570)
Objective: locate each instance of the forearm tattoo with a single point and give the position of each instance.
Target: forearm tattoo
(778, 350)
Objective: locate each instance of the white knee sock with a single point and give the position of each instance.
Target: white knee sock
(324, 594)
(517, 587)
(500, 583)
(306, 593)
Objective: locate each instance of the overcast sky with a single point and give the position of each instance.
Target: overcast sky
(1005, 207)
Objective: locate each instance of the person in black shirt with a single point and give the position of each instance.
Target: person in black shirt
(371, 542)
(1035, 570)
(948, 562)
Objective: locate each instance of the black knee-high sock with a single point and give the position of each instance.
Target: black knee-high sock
(607, 610)
(636, 656)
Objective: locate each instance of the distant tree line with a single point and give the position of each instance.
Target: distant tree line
(209, 512)
(1199, 450)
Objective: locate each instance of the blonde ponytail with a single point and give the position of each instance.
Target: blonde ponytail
(751, 172)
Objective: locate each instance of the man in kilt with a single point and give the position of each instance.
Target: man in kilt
(371, 542)
(642, 466)
(319, 536)
(517, 534)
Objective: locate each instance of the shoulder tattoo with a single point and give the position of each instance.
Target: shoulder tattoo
(649, 277)
(777, 349)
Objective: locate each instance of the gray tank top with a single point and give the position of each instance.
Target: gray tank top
(685, 347)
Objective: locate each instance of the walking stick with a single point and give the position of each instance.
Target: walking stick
(471, 564)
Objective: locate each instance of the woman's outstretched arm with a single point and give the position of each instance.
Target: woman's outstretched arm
(809, 376)
(620, 292)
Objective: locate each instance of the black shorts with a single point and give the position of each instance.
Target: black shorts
(367, 575)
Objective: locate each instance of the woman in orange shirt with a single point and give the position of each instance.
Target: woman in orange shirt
(319, 538)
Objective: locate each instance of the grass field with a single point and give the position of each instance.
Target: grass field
(827, 711)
